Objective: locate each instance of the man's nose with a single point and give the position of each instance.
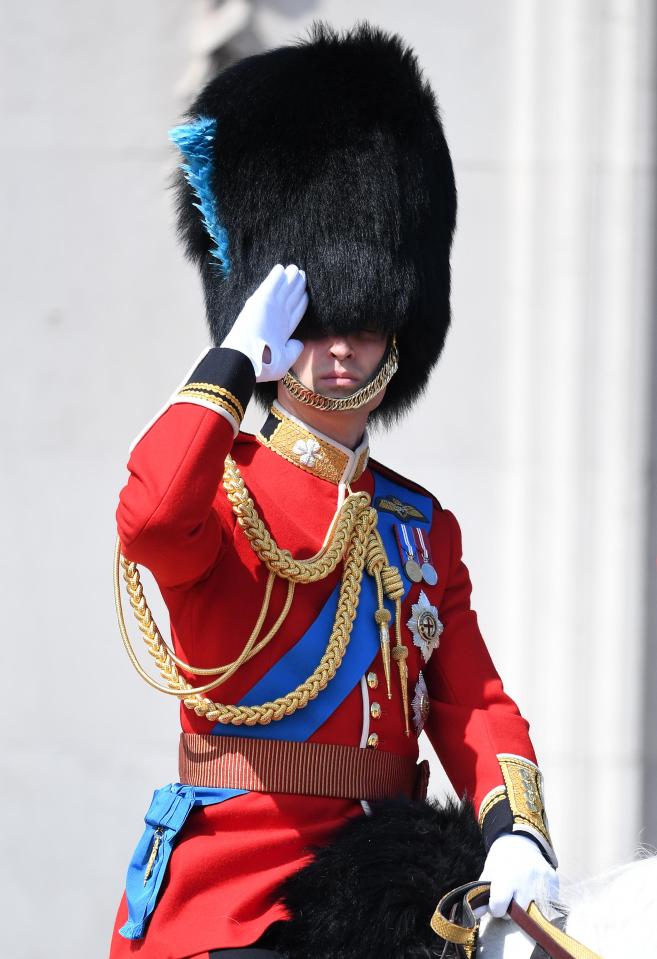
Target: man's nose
(341, 348)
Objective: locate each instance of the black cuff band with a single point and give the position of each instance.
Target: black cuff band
(224, 380)
(499, 820)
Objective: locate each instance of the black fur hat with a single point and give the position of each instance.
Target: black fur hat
(371, 893)
(330, 154)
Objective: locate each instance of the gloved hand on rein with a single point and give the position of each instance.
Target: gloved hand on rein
(516, 869)
(267, 321)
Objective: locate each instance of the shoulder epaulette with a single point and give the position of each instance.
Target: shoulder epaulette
(402, 480)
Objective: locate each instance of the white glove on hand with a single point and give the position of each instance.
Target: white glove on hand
(516, 869)
(267, 320)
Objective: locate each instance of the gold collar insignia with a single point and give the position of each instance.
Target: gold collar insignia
(310, 450)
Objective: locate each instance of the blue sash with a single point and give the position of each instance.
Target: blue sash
(172, 804)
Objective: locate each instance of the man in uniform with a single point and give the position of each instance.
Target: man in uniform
(319, 603)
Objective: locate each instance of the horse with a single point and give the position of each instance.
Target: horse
(611, 913)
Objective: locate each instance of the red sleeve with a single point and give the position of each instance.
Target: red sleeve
(475, 728)
(166, 518)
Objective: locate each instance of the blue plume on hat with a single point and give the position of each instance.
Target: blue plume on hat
(195, 140)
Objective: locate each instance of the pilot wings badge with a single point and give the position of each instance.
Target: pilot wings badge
(425, 626)
(404, 511)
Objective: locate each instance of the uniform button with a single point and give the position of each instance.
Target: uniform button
(375, 710)
(373, 740)
(372, 680)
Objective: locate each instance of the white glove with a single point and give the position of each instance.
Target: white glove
(267, 321)
(516, 869)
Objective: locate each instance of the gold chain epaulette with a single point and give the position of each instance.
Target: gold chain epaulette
(352, 538)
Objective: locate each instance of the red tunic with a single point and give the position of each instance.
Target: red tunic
(175, 519)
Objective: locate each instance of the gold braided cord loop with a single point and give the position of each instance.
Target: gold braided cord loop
(328, 665)
(352, 538)
(392, 582)
(281, 561)
(151, 634)
(285, 705)
(162, 652)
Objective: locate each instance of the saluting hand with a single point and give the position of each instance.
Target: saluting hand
(268, 319)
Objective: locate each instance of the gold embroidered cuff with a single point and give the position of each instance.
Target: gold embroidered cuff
(518, 805)
(524, 786)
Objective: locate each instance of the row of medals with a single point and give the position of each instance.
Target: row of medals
(416, 572)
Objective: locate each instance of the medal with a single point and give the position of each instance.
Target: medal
(413, 570)
(411, 566)
(428, 571)
(420, 704)
(429, 575)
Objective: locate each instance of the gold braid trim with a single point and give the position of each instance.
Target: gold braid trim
(350, 533)
(215, 400)
(196, 388)
(284, 705)
(159, 649)
(281, 561)
(352, 536)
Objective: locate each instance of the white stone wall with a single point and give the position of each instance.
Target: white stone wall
(535, 430)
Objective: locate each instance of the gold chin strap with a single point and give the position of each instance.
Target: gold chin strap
(318, 401)
(352, 538)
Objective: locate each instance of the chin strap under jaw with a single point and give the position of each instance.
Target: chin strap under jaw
(379, 379)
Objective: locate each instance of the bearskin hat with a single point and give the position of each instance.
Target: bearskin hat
(328, 153)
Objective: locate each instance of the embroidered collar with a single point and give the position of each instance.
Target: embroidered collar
(312, 451)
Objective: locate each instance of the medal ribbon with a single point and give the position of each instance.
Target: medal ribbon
(422, 544)
(409, 546)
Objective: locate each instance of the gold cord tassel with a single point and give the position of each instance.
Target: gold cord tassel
(382, 617)
(389, 582)
(394, 588)
(400, 655)
(375, 563)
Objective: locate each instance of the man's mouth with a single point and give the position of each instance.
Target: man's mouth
(339, 378)
(336, 379)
